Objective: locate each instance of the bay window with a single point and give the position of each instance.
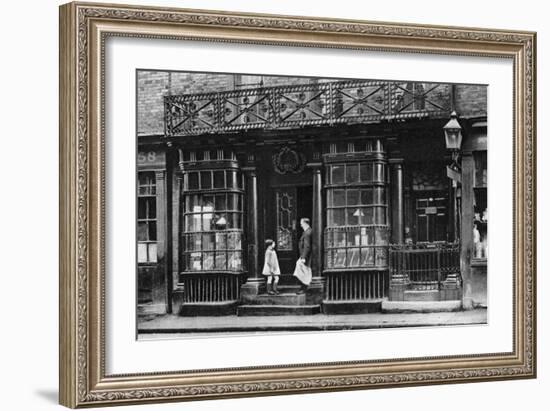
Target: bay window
(357, 234)
(213, 220)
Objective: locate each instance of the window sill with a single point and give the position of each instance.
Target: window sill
(345, 269)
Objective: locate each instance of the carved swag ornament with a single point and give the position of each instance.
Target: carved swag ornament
(289, 161)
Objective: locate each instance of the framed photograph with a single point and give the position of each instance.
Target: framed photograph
(260, 204)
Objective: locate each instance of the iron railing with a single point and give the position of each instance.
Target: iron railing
(425, 266)
(293, 106)
(356, 285)
(211, 288)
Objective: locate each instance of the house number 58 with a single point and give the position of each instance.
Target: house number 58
(148, 157)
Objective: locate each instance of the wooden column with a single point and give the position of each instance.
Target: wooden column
(399, 282)
(317, 224)
(255, 280)
(397, 200)
(315, 291)
(159, 277)
(252, 223)
(466, 228)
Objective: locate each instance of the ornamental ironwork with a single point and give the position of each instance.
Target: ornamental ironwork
(316, 104)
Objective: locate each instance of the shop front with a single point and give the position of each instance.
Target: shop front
(386, 214)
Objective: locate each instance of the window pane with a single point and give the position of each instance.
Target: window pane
(231, 179)
(193, 223)
(193, 181)
(368, 217)
(235, 202)
(222, 221)
(146, 183)
(208, 261)
(352, 173)
(367, 256)
(380, 217)
(353, 197)
(234, 241)
(193, 203)
(234, 261)
(221, 241)
(366, 172)
(367, 236)
(354, 238)
(380, 195)
(152, 252)
(367, 196)
(339, 198)
(221, 261)
(353, 257)
(337, 174)
(207, 223)
(480, 176)
(340, 258)
(195, 261)
(381, 256)
(354, 215)
(193, 242)
(220, 202)
(142, 252)
(336, 218)
(329, 239)
(339, 238)
(142, 207)
(152, 230)
(206, 180)
(152, 207)
(219, 179)
(208, 203)
(208, 242)
(381, 236)
(237, 220)
(142, 233)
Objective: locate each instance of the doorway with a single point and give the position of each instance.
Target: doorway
(289, 204)
(431, 216)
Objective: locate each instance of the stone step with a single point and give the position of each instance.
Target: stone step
(281, 299)
(421, 295)
(272, 310)
(352, 307)
(288, 280)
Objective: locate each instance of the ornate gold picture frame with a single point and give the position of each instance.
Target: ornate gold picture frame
(84, 29)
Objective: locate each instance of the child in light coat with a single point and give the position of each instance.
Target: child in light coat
(271, 267)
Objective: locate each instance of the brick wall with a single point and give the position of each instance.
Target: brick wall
(471, 100)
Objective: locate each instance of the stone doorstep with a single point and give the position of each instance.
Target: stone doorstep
(280, 299)
(421, 306)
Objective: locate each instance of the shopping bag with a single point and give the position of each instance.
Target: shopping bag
(302, 272)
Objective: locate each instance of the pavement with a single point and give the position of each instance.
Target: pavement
(150, 326)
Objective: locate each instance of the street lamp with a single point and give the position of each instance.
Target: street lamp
(453, 137)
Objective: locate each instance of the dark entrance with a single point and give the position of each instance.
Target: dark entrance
(287, 206)
(431, 216)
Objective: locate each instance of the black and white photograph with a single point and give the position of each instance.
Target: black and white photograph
(295, 204)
